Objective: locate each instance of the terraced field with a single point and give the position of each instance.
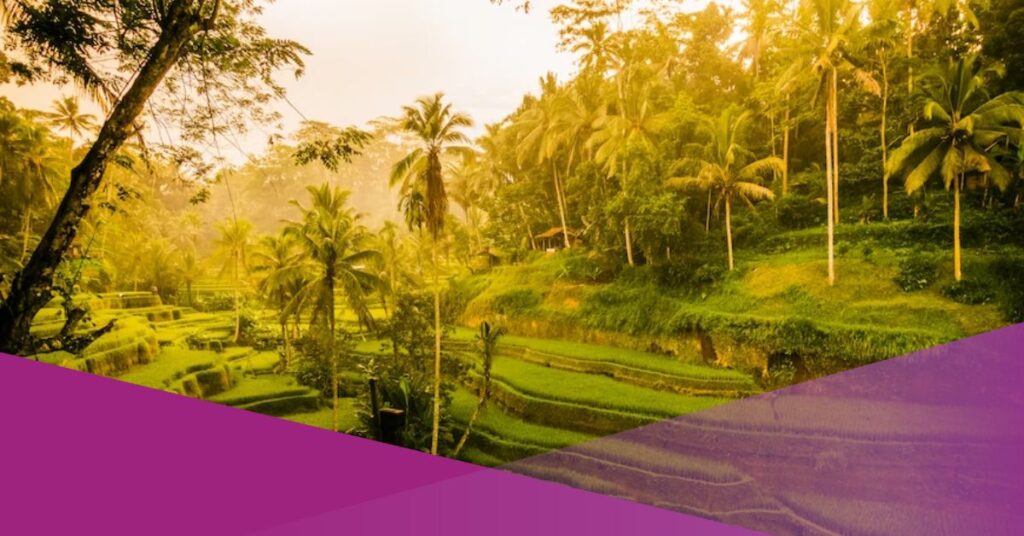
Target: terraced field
(546, 394)
(150, 347)
(549, 394)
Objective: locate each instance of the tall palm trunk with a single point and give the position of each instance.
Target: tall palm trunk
(830, 192)
(956, 228)
(26, 230)
(333, 353)
(561, 204)
(882, 134)
(238, 303)
(911, 26)
(785, 151)
(626, 232)
(834, 94)
(286, 358)
(436, 429)
(629, 243)
(728, 228)
(707, 218)
(526, 226)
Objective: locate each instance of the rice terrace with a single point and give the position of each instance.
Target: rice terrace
(667, 207)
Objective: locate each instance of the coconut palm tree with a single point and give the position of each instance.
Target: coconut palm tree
(12, 142)
(420, 177)
(876, 43)
(334, 258)
(540, 137)
(233, 246)
(963, 132)
(632, 123)
(40, 170)
(189, 270)
(727, 169)
(67, 116)
(825, 30)
(487, 342)
(275, 261)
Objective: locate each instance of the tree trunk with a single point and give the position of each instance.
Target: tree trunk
(436, 428)
(31, 287)
(26, 230)
(238, 304)
(830, 192)
(561, 205)
(883, 136)
(629, 244)
(526, 225)
(835, 142)
(707, 218)
(285, 358)
(956, 228)
(333, 354)
(469, 427)
(728, 229)
(785, 152)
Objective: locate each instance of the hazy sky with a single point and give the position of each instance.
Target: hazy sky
(370, 57)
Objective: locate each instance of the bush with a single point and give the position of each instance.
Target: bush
(582, 268)
(799, 212)
(1009, 272)
(917, 273)
(690, 273)
(969, 292)
(516, 301)
(221, 301)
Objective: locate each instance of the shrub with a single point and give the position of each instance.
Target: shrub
(517, 301)
(969, 292)
(917, 273)
(1009, 272)
(582, 268)
(221, 301)
(799, 212)
(709, 274)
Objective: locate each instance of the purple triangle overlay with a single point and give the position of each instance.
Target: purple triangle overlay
(930, 443)
(924, 444)
(82, 454)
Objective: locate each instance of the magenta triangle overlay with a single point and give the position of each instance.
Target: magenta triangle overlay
(929, 443)
(86, 454)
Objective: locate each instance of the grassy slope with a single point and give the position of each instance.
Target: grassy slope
(260, 388)
(767, 294)
(621, 356)
(493, 420)
(172, 363)
(594, 391)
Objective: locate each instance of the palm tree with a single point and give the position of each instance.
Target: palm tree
(233, 245)
(964, 131)
(465, 189)
(12, 142)
(40, 169)
(487, 341)
(540, 138)
(275, 261)
(877, 42)
(68, 117)
(332, 241)
(189, 270)
(824, 34)
(633, 123)
(420, 177)
(725, 167)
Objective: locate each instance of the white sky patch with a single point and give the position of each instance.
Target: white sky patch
(371, 57)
